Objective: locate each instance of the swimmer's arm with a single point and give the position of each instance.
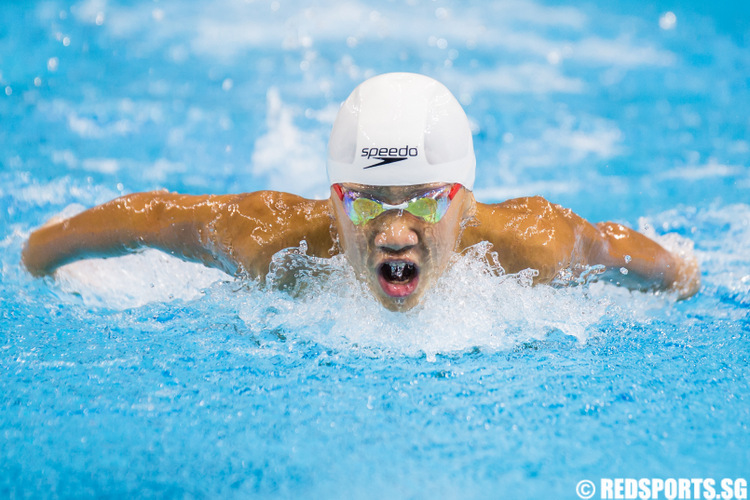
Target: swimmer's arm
(235, 233)
(636, 261)
(158, 219)
(534, 233)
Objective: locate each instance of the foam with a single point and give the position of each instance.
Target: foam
(136, 280)
(473, 306)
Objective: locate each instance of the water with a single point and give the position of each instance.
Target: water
(145, 376)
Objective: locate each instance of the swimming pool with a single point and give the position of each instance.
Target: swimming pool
(145, 376)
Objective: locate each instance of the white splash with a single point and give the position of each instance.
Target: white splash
(523, 78)
(710, 170)
(723, 237)
(135, 280)
(471, 306)
(292, 159)
(230, 29)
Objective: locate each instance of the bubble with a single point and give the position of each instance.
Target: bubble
(668, 21)
(53, 63)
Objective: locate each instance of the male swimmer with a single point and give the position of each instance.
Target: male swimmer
(401, 169)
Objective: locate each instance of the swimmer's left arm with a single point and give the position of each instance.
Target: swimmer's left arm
(534, 233)
(636, 261)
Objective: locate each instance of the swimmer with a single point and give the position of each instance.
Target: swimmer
(401, 168)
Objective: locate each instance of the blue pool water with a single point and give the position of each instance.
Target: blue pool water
(145, 376)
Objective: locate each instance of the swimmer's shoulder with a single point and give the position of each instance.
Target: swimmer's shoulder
(279, 203)
(258, 207)
(527, 232)
(263, 222)
(512, 218)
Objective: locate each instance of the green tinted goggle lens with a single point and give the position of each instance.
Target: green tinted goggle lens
(364, 209)
(430, 206)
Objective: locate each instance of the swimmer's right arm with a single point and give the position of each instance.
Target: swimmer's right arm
(235, 233)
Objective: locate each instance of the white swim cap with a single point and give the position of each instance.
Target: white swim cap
(400, 129)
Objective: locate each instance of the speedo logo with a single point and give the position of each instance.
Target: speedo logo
(388, 155)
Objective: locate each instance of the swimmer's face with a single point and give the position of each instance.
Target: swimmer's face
(398, 254)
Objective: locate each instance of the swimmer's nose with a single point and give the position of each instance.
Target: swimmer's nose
(396, 235)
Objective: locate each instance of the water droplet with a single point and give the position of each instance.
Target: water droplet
(668, 21)
(623, 271)
(628, 258)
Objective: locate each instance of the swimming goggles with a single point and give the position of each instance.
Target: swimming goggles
(429, 206)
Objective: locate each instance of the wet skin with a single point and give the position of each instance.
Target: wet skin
(240, 233)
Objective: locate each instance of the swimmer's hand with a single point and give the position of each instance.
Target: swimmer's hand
(688, 279)
(35, 255)
(649, 266)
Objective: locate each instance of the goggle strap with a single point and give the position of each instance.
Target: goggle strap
(339, 191)
(454, 190)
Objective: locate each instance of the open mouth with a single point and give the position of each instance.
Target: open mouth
(398, 278)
